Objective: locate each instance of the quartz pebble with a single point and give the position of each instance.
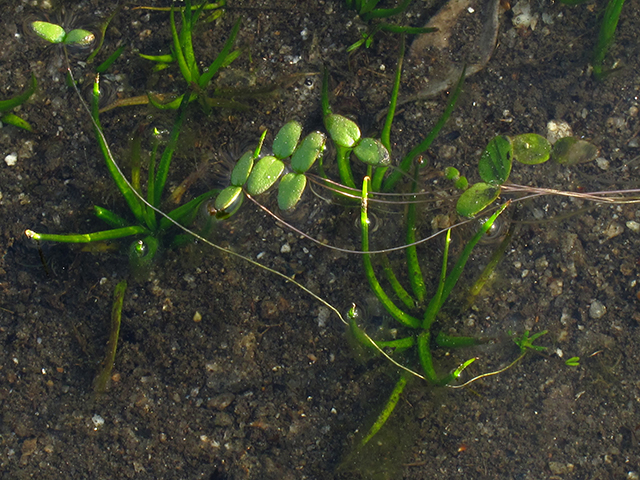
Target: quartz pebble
(597, 310)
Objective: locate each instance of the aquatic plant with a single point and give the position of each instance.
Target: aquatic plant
(605, 36)
(149, 229)
(367, 10)
(183, 54)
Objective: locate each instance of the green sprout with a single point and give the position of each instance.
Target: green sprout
(525, 341)
(572, 362)
(54, 33)
(8, 105)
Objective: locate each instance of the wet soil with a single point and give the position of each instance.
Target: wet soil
(225, 371)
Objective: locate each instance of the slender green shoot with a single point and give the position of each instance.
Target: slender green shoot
(407, 161)
(397, 313)
(606, 36)
(100, 384)
(388, 409)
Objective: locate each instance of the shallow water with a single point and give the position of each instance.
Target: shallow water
(266, 384)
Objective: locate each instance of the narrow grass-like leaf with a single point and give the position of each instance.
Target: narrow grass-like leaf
(158, 58)
(186, 214)
(16, 121)
(113, 219)
(177, 49)
(165, 160)
(395, 312)
(385, 12)
(456, 271)
(385, 134)
(387, 410)
(220, 59)
(128, 193)
(414, 271)
(88, 237)
(6, 105)
(100, 384)
(112, 58)
(436, 302)
(406, 162)
(397, 287)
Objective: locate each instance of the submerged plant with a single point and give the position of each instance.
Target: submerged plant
(7, 105)
(183, 54)
(148, 229)
(368, 10)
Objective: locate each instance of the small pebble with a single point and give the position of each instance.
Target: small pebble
(597, 310)
(633, 226)
(286, 248)
(11, 159)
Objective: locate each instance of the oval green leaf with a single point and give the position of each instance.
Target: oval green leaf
(264, 175)
(286, 140)
(240, 173)
(79, 38)
(476, 199)
(343, 132)
(49, 31)
(571, 151)
(530, 148)
(308, 152)
(290, 190)
(372, 152)
(228, 201)
(495, 164)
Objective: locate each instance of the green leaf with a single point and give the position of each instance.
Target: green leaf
(88, 237)
(79, 38)
(308, 151)
(49, 31)
(229, 201)
(240, 173)
(287, 139)
(495, 164)
(530, 148)
(264, 175)
(158, 58)
(6, 105)
(451, 173)
(476, 199)
(462, 183)
(372, 152)
(343, 132)
(290, 190)
(16, 121)
(571, 151)
(221, 59)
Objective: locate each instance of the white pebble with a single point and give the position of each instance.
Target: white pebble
(11, 159)
(597, 310)
(286, 248)
(633, 226)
